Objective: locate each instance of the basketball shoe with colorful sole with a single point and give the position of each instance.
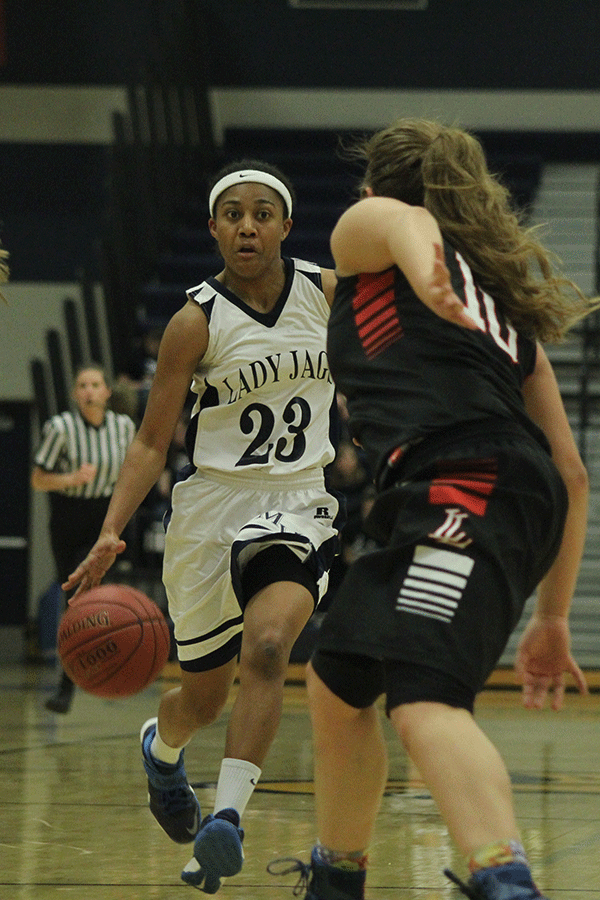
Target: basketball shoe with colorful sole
(511, 881)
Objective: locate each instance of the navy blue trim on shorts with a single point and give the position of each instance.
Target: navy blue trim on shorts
(215, 659)
(218, 657)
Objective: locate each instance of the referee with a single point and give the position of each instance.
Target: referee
(77, 464)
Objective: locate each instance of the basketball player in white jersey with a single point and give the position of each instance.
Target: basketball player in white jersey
(253, 528)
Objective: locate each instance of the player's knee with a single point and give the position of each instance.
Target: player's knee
(267, 658)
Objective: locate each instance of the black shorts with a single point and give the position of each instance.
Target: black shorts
(360, 680)
(464, 543)
(276, 563)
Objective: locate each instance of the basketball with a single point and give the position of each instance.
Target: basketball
(113, 641)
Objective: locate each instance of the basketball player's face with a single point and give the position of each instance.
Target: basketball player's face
(249, 227)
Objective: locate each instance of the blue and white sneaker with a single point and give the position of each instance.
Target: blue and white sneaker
(218, 852)
(171, 799)
(509, 882)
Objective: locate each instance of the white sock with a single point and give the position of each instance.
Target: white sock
(162, 752)
(237, 780)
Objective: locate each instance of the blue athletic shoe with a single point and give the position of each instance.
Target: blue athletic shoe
(322, 882)
(509, 882)
(172, 800)
(218, 852)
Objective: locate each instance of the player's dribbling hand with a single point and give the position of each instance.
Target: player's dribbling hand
(94, 567)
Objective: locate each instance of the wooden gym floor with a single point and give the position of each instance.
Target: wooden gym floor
(74, 821)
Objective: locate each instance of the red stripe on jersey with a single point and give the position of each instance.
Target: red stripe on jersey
(471, 490)
(375, 312)
(380, 342)
(369, 286)
(382, 321)
(444, 494)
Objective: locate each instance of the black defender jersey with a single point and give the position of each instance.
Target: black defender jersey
(409, 375)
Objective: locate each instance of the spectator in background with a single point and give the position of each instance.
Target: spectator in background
(77, 464)
(134, 382)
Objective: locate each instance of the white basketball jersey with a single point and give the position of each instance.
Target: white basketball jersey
(265, 395)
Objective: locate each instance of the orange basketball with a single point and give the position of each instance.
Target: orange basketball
(113, 641)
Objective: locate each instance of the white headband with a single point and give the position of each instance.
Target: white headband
(249, 175)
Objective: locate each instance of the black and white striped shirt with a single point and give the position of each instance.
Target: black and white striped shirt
(68, 441)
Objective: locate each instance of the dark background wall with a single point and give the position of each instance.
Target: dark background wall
(52, 195)
(52, 199)
(451, 44)
(79, 41)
